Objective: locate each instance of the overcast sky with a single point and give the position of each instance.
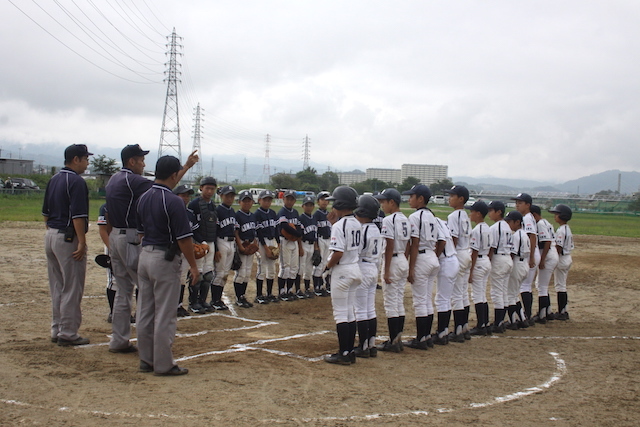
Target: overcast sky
(542, 90)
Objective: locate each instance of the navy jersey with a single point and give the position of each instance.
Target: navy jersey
(123, 190)
(227, 223)
(246, 225)
(309, 228)
(289, 217)
(194, 224)
(65, 199)
(207, 223)
(266, 223)
(161, 217)
(324, 226)
(102, 215)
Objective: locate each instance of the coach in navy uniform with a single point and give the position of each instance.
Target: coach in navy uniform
(123, 190)
(165, 230)
(66, 213)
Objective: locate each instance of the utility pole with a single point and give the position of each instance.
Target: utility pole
(266, 172)
(305, 153)
(170, 132)
(196, 170)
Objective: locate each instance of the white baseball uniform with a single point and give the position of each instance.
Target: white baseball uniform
(396, 227)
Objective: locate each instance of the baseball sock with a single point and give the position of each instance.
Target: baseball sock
(307, 284)
(297, 282)
(562, 302)
(204, 291)
(327, 282)
(510, 310)
(216, 293)
(549, 311)
(499, 316)
(259, 287)
(352, 335)
(429, 324)
(269, 286)
(238, 288)
(111, 296)
(443, 322)
(244, 288)
(485, 311)
(181, 295)
(290, 284)
(393, 331)
(542, 308)
(465, 323)
(422, 329)
(373, 331)
(458, 321)
(363, 333)
(281, 283)
(480, 315)
(343, 337)
(401, 324)
(527, 302)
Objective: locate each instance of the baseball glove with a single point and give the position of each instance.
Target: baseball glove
(200, 250)
(275, 252)
(249, 248)
(316, 258)
(103, 260)
(287, 234)
(237, 262)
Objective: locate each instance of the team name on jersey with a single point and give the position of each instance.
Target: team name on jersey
(267, 223)
(227, 222)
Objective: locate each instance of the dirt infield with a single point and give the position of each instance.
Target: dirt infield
(262, 366)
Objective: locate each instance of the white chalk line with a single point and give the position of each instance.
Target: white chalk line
(561, 370)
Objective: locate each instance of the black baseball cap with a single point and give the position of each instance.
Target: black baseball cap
(496, 205)
(535, 209)
(244, 194)
(479, 206)
(289, 193)
(132, 151)
(266, 193)
(458, 190)
(308, 199)
(227, 189)
(167, 166)
(181, 189)
(513, 216)
(523, 197)
(76, 150)
(419, 190)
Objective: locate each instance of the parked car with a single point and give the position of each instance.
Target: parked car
(440, 200)
(23, 184)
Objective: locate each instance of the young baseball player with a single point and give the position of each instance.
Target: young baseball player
(266, 223)
(523, 205)
(225, 244)
(480, 244)
(290, 246)
(423, 264)
(449, 268)
(104, 229)
(346, 242)
(185, 194)
(460, 228)
(521, 248)
(205, 212)
(366, 319)
(564, 246)
(397, 232)
(247, 246)
(501, 263)
(548, 262)
(309, 242)
(324, 235)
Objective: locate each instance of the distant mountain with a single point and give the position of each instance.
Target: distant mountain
(608, 180)
(503, 184)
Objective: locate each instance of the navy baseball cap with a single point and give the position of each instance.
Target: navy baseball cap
(308, 199)
(181, 189)
(535, 209)
(479, 206)
(389, 194)
(244, 194)
(132, 151)
(289, 193)
(419, 190)
(227, 189)
(167, 166)
(266, 193)
(76, 150)
(458, 190)
(523, 197)
(513, 216)
(496, 205)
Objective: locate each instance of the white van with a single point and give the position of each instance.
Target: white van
(255, 193)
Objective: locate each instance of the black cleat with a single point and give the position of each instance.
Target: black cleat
(338, 359)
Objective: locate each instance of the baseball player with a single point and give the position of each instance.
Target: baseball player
(548, 262)
(366, 320)
(397, 232)
(324, 235)
(564, 246)
(66, 213)
(523, 205)
(449, 268)
(423, 264)
(185, 194)
(290, 246)
(346, 242)
(268, 236)
(206, 217)
(501, 263)
(480, 244)
(162, 220)
(521, 248)
(245, 242)
(225, 244)
(104, 229)
(310, 246)
(460, 228)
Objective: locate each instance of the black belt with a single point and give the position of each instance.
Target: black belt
(61, 231)
(423, 251)
(322, 237)
(480, 256)
(397, 254)
(311, 242)
(160, 247)
(521, 259)
(501, 254)
(227, 238)
(122, 231)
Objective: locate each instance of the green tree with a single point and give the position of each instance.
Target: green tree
(371, 186)
(439, 186)
(308, 179)
(328, 181)
(407, 183)
(103, 165)
(635, 205)
(284, 180)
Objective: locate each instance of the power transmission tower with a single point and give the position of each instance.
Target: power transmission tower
(266, 171)
(306, 153)
(196, 170)
(170, 133)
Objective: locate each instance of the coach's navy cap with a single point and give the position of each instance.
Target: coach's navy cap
(76, 150)
(227, 189)
(132, 151)
(523, 197)
(419, 190)
(289, 193)
(459, 190)
(513, 216)
(181, 189)
(244, 194)
(535, 209)
(308, 199)
(390, 194)
(479, 206)
(496, 205)
(266, 193)
(167, 166)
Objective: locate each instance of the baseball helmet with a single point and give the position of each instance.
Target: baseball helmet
(208, 180)
(344, 197)
(389, 194)
(368, 207)
(563, 211)
(323, 194)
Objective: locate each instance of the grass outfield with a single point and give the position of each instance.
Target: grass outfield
(29, 208)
